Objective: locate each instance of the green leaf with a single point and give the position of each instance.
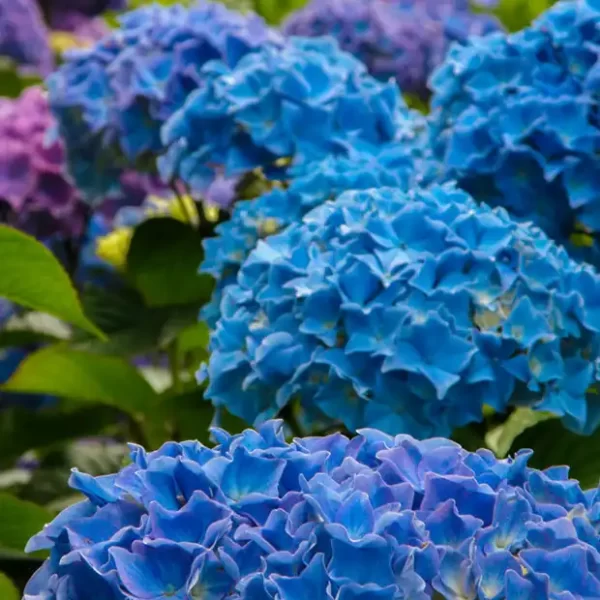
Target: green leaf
(274, 11)
(30, 275)
(501, 438)
(85, 377)
(163, 262)
(554, 445)
(8, 590)
(22, 430)
(19, 521)
(194, 337)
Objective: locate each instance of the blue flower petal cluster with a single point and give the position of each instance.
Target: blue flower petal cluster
(516, 120)
(408, 312)
(112, 99)
(402, 164)
(300, 102)
(24, 36)
(372, 518)
(406, 40)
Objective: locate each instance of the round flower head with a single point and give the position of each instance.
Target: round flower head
(112, 99)
(401, 164)
(515, 119)
(35, 192)
(407, 312)
(24, 36)
(404, 39)
(300, 102)
(325, 518)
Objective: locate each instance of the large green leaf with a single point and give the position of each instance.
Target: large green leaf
(31, 276)
(554, 445)
(8, 590)
(19, 520)
(163, 262)
(85, 377)
(132, 327)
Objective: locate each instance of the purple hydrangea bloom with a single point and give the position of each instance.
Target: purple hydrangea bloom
(371, 518)
(36, 194)
(515, 120)
(407, 312)
(24, 36)
(404, 39)
(112, 99)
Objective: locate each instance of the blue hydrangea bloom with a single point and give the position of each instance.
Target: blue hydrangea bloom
(303, 101)
(402, 164)
(408, 312)
(24, 36)
(372, 518)
(112, 99)
(516, 120)
(406, 40)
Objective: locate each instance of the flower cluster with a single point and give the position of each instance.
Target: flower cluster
(112, 99)
(407, 312)
(401, 164)
(516, 119)
(377, 517)
(406, 40)
(35, 192)
(303, 101)
(23, 36)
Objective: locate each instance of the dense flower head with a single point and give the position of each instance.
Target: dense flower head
(280, 105)
(407, 312)
(405, 39)
(36, 194)
(24, 36)
(112, 99)
(374, 517)
(401, 164)
(516, 120)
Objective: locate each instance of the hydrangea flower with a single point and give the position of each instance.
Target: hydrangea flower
(404, 39)
(36, 194)
(408, 312)
(303, 101)
(515, 119)
(112, 99)
(375, 517)
(24, 36)
(401, 164)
